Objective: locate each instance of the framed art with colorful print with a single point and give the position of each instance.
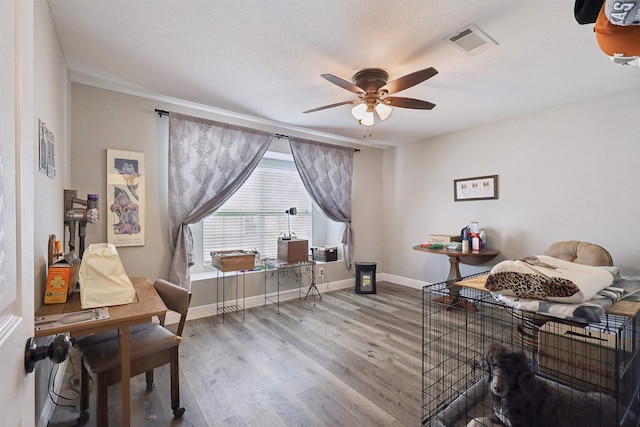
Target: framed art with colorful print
(126, 198)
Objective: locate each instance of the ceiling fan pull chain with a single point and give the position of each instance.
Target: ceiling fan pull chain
(364, 132)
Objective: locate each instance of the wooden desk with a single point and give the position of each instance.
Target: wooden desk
(455, 258)
(148, 304)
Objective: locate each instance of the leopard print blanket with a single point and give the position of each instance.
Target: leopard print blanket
(530, 285)
(546, 278)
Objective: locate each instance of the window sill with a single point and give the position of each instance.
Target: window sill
(213, 273)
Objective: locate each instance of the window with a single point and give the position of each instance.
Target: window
(255, 216)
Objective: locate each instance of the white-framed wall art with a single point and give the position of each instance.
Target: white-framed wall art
(46, 151)
(126, 198)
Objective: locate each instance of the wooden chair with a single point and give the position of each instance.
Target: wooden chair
(152, 346)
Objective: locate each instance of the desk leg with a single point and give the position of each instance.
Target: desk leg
(454, 299)
(125, 364)
(84, 394)
(454, 269)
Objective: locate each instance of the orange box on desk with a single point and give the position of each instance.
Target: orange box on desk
(57, 287)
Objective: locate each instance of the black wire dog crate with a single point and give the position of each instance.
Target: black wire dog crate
(459, 325)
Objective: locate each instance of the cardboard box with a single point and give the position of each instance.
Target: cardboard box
(58, 284)
(443, 238)
(235, 260)
(578, 356)
(293, 250)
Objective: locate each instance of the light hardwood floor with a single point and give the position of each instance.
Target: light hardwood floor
(350, 360)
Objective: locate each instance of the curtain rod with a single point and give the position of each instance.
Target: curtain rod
(277, 135)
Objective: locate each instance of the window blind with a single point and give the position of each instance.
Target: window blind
(254, 217)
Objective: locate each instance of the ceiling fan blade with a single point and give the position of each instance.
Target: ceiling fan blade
(416, 104)
(405, 82)
(344, 84)
(337, 104)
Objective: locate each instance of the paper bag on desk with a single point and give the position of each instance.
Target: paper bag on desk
(103, 281)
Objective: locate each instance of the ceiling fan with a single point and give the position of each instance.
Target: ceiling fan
(372, 89)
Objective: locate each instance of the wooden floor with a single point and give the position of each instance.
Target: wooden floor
(350, 360)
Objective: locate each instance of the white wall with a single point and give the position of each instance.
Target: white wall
(51, 102)
(51, 105)
(566, 173)
(102, 119)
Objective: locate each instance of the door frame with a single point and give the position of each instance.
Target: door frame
(18, 155)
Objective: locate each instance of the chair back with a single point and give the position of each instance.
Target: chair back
(176, 299)
(580, 252)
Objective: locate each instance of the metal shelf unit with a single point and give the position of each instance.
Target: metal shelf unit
(223, 308)
(300, 272)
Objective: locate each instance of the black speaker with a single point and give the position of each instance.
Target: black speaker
(365, 277)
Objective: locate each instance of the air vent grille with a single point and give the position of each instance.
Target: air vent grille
(472, 40)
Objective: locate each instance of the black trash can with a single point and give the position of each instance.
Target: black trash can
(365, 277)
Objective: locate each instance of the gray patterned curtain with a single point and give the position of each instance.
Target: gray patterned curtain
(327, 171)
(208, 162)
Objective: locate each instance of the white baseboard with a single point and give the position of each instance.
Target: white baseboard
(404, 281)
(49, 406)
(208, 310)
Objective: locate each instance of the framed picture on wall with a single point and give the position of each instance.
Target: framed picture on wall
(478, 188)
(126, 198)
(46, 151)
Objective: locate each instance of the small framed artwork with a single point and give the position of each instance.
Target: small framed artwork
(126, 198)
(46, 151)
(478, 188)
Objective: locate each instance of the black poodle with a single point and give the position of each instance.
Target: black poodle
(520, 399)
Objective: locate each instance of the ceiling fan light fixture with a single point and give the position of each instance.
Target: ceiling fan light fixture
(367, 120)
(359, 111)
(372, 87)
(383, 110)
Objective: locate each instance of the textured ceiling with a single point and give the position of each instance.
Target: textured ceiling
(262, 60)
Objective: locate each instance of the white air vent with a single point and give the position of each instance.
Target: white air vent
(471, 40)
